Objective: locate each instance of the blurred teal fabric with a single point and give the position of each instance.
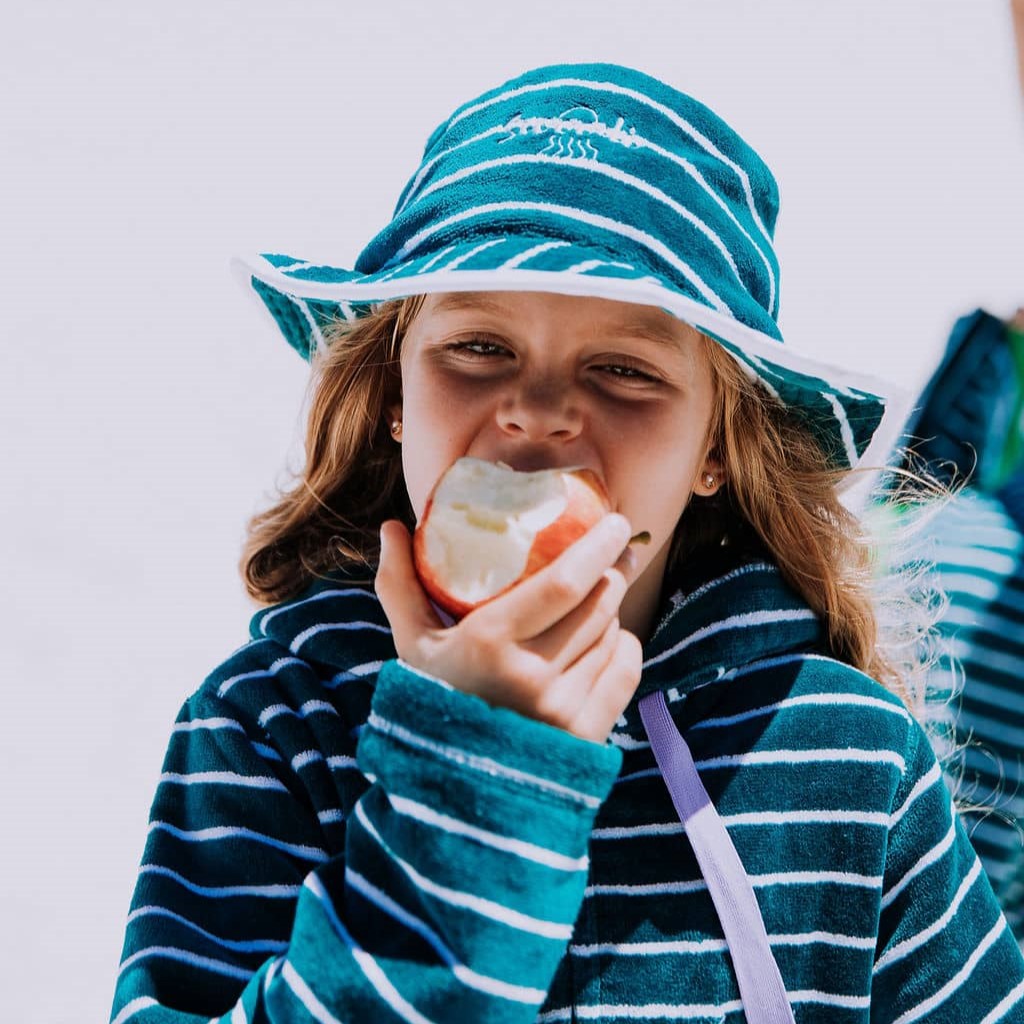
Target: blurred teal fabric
(968, 428)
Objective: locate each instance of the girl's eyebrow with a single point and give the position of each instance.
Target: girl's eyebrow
(645, 329)
(660, 334)
(454, 302)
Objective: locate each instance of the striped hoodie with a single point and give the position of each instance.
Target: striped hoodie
(977, 548)
(337, 837)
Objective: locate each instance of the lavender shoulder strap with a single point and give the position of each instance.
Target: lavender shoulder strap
(761, 987)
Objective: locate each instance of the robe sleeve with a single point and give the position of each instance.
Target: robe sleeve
(447, 890)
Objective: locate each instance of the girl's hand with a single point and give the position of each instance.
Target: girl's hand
(550, 648)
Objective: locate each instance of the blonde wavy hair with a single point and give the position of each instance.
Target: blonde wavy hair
(780, 498)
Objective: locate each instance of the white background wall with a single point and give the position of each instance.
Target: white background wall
(146, 409)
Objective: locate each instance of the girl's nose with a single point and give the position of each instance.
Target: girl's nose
(540, 411)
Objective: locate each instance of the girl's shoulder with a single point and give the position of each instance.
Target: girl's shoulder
(301, 654)
(822, 702)
(811, 687)
(330, 607)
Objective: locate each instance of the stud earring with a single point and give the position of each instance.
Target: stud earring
(709, 480)
(396, 428)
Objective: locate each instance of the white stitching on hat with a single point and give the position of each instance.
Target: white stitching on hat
(566, 133)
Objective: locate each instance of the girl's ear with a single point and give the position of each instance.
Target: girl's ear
(710, 478)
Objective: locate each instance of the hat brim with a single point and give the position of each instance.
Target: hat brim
(856, 418)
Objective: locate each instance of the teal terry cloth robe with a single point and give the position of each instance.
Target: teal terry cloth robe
(971, 429)
(337, 837)
(975, 543)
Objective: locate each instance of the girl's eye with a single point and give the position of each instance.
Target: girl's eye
(482, 349)
(477, 348)
(628, 372)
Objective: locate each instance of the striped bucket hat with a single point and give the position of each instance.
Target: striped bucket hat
(592, 179)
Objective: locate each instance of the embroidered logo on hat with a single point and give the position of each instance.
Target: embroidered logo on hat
(570, 135)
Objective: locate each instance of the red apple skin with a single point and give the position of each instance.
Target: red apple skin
(588, 503)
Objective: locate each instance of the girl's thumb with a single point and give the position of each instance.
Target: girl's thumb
(398, 588)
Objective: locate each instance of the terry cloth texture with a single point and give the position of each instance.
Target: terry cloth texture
(978, 551)
(969, 409)
(969, 425)
(336, 837)
(592, 179)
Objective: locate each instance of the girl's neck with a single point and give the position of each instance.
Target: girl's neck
(640, 605)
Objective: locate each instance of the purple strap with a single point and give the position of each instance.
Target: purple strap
(761, 987)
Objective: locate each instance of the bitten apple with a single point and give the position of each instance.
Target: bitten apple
(486, 527)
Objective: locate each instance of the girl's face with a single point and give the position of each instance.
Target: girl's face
(539, 380)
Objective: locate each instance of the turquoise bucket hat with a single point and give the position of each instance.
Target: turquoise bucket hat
(594, 180)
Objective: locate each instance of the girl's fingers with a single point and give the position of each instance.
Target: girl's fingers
(404, 602)
(571, 637)
(548, 596)
(612, 691)
(562, 698)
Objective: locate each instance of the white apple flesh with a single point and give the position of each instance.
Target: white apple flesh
(486, 527)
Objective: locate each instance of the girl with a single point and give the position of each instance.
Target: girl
(661, 782)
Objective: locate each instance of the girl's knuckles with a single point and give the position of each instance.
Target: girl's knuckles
(560, 588)
(609, 642)
(551, 707)
(608, 603)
